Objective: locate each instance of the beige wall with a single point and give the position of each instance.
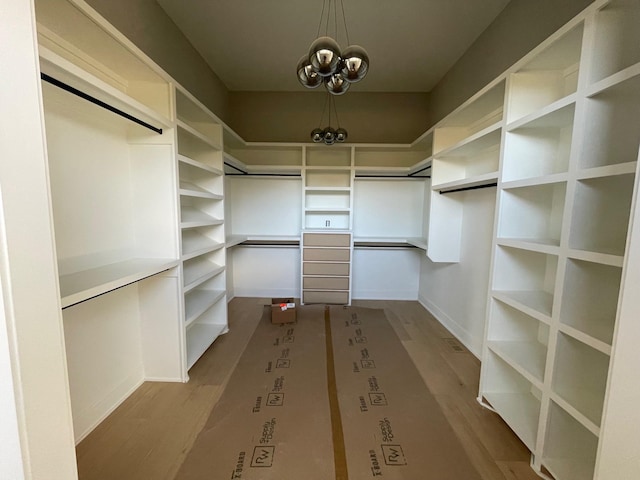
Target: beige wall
(520, 27)
(146, 24)
(368, 117)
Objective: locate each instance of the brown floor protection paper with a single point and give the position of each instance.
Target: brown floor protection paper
(297, 409)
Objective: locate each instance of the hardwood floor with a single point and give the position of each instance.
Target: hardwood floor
(149, 435)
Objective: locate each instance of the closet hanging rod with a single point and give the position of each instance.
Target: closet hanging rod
(235, 168)
(421, 170)
(399, 177)
(464, 189)
(100, 103)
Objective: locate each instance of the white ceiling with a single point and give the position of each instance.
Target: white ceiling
(255, 45)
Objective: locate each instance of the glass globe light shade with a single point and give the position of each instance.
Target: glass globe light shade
(355, 63)
(341, 135)
(324, 56)
(336, 84)
(329, 136)
(317, 135)
(307, 76)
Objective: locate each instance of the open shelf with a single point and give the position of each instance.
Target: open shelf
(315, 200)
(196, 150)
(519, 339)
(515, 399)
(70, 32)
(611, 136)
(601, 214)
(569, 448)
(616, 39)
(184, 160)
(551, 75)
(192, 217)
(540, 147)
(200, 269)
(533, 213)
(83, 285)
(196, 243)
(590, 298)
(477, 114)
(488, 178)
(192, 113)
(328, 157)
(580, 376)
(198, 301)
(200, 336)
(525, 277)
(328, 178)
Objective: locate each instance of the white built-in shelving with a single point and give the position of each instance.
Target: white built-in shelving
(112, 176)
(202, 222)
(566, 185)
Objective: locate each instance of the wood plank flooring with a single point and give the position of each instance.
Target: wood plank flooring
(149, 435)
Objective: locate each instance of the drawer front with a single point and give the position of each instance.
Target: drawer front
(325, 269)
(327, 239)
(339, 298)
(325, 283)
(326, 254)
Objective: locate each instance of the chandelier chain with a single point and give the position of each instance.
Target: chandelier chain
(344, 19)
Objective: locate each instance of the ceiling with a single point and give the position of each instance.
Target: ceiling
(255, 45)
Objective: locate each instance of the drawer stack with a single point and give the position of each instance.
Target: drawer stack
(326, 267)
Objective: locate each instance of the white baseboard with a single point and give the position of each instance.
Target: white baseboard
(384, 295)
(89, 418)
(456, 330)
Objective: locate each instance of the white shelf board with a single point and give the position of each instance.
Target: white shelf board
(595, 257)
(575, 413)
(475, 181)
(80, 286)
(527, 356)
(613, 80)
(327, 189)
(195, 244)
(588, 335)
(195, 133)
(479, 141)
(274, 169)
(541, 245)
(192, 217)
(188, 189)
(195, 275)
(553, 115)
(234, 240)
(199, 337)
(415, 241)
(328, 210)
(608, 170)
(328, 168)
(520, 411)
(536, 304)
(194, 163)
(199, 301)
(377, 170)
(63, 70)
(535, 181)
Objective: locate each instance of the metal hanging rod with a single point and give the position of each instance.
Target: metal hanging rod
(399, 177)
(246, 174)
(463, 189)
(242, 172)
(421, 170)
(100, 103)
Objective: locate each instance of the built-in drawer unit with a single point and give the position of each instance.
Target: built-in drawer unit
(326, 267)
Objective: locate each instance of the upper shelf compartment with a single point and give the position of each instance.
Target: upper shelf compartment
(550, 75)
(617, 37)
(480, 112)
(75, 33)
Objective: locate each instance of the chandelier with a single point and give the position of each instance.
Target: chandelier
(326, 63)
(328, 135)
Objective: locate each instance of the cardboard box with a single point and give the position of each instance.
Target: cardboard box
(283, 310)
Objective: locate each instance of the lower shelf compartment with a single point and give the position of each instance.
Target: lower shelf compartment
(200, 336)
